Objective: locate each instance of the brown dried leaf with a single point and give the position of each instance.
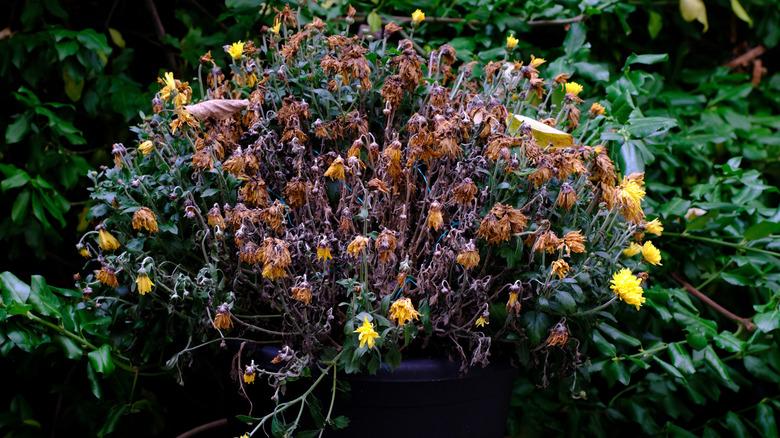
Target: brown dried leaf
(217, 108)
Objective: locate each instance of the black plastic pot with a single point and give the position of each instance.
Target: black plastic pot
(427, 398)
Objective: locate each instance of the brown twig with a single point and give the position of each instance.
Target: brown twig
(745, 322)
(197, 431)
(398, 18)
(745, 58)
(160, 31)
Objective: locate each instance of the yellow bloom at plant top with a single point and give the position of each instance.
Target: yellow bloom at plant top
(627, 287)
(572, 88)
(277, 26)
(418, 17)
(367, 334)
(146, 147)
(651, 254)
(511, 42)
(107, 241)
(481, 321)
(536, 62)
(235, 50)
(654, 227)
(402, 311)
(143, 282)
(632, 249)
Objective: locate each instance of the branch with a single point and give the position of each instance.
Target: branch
(745, 58)
(400, 19)
(160, 31)
(745, 322)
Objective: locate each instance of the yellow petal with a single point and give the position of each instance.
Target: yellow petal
(545, 135)
(694, 10)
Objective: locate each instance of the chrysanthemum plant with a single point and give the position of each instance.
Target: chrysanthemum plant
(354, 202)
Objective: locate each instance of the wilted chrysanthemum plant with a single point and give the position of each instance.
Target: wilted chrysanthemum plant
(352, 202)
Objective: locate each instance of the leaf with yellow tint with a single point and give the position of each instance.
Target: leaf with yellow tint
(694, 10)
(545, 135)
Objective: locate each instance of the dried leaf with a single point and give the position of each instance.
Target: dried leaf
(694, 10)
(544, 134)
(216, 108)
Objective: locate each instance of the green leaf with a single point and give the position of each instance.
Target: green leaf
(114, 415)
(647, 59)
(761, 230)
(17, 130)
(69, 347)
(669, 368)
(374, 21)
(19, 209)
(615, 370)
(42, 298)
(13, 289)
(536, 325)
(94, 381)
(101, 361)
(340, 422)
(619, 336)
(736, 426)
(712, 359)
(767, 322)
(18, 179)
(655, 23)
(680, 358)
(765, 420)
(604, 346)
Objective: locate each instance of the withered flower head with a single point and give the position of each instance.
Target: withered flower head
(296, 193)
(273, 216)
(254, 193)
(469, 257)
(250, 253)
(107, 276)
(567, 197)
(276, 258)
(214, 217)
(144, 218)
(574, 241)
(357, 246)
(302, 292)
(222, 320)
(385, 245)
(559, 335)
(435, 219)
(336, 170)
(465, 192)
(500, 223)
(560, 268)
(547, 242)
(513, 304)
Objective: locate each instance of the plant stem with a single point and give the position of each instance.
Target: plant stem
(739, 246)
(745, 322)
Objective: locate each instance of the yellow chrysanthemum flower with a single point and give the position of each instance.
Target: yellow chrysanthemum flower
(143, 282)
(236, 50)
(367, 334)
(146, 147)
(632, 249)
(277, 26)
(572, 88)
(654, 227)
(651, 254)
(418, 17)
(627, 287)
(107, 241)
(324, 254)
(511, 42)
(481, 321)
(536, 62)
(170, 81)
(402, 310)
(560, 268)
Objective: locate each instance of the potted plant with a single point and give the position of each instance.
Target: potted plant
(380, 218)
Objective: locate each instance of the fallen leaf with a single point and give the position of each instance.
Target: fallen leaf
(216, 108)
(545, 135)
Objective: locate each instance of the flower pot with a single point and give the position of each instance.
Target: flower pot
(428, 398)
(424, 398)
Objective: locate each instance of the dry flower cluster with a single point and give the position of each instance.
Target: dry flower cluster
(347, 198)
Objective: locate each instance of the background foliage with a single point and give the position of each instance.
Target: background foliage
(71, 75)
